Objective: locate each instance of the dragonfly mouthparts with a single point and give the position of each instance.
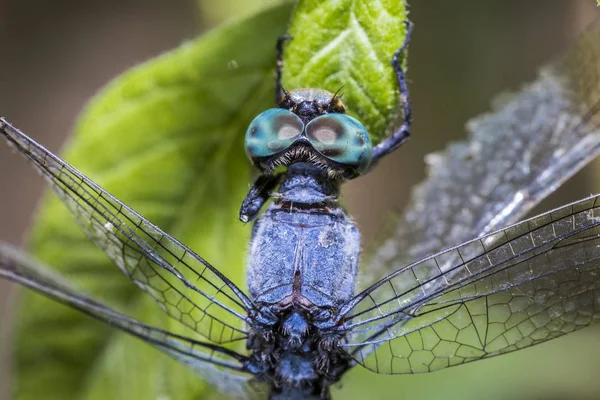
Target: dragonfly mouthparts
(304, 153)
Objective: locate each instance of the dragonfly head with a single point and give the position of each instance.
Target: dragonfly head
(311, 126)
(310, 103)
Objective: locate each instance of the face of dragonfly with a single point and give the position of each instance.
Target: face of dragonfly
(311, 126)
(512, 289)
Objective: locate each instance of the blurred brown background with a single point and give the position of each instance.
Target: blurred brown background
(56, 55)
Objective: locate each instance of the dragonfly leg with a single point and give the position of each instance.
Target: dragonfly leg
(279, 90)
(401, 135)
(257, 196)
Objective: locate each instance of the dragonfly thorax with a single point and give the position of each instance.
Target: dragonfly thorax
(302, 266)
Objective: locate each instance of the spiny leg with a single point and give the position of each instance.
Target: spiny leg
(279, 90)
(401, 135)
(258, 196)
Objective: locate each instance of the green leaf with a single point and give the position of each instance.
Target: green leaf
(166, 138)
(349, 43)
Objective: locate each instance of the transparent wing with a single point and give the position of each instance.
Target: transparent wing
(221, 367)
(511, 289)
(184, 285)
(515, 156)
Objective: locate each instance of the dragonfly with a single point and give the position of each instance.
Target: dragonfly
(309, 315)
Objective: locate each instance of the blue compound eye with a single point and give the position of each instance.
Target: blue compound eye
(271, 132)
(341, 138)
